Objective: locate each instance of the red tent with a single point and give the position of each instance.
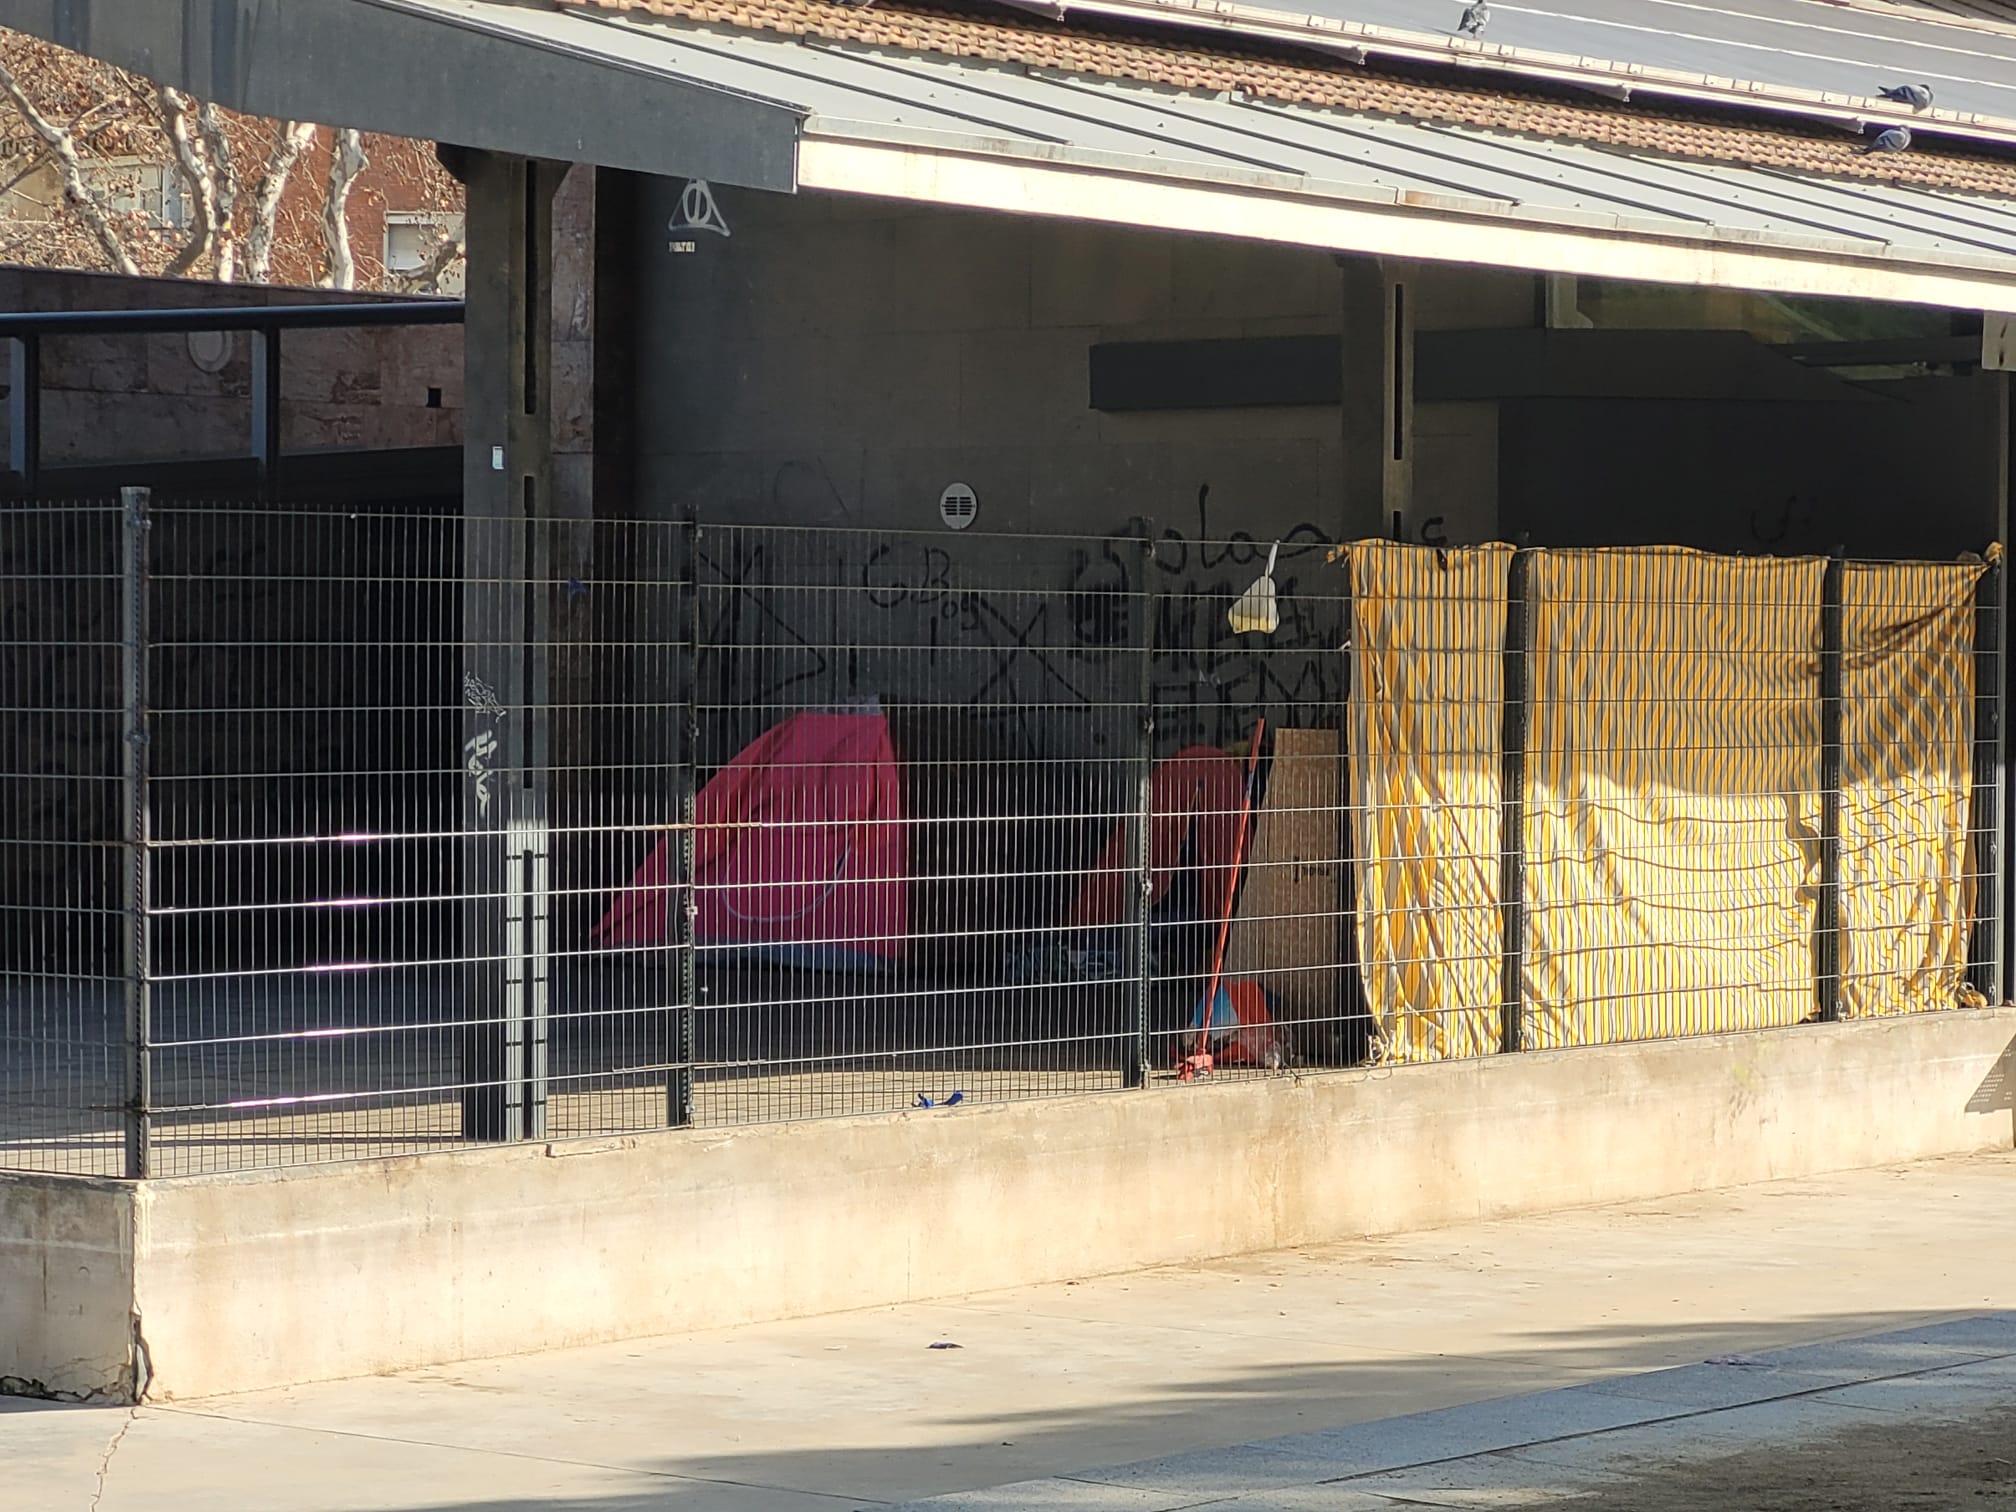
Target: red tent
(1195, 794)
(799, 850)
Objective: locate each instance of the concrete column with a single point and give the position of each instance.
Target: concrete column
(1378, 404)
(507, 608)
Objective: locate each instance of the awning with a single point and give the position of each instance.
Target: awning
(1006, 137)
(771, 111)
(469, 75)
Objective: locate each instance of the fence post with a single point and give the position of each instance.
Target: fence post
(136, 769)
(1986, 819)
(266, 411)
(686, 964)
(24, 410)
(1143, 824)
(1827, 920)
(1513, 728)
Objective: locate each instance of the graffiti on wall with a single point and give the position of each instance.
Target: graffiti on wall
(1054, 641)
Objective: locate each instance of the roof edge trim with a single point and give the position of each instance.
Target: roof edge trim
(1412, 231)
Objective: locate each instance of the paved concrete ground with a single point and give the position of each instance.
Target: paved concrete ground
(1066, 1380)
(1859, 1403)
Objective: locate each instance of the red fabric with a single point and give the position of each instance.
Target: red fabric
(1199, 788)
(799, 840)
(1253, 1040)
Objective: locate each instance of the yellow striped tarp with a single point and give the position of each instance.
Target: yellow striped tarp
(1907, 724)
(1427, 672)
(1671, 811)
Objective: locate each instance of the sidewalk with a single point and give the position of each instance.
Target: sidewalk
(1063, 1380)
(1864, 1425)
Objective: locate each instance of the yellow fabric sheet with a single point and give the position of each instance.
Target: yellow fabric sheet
(1671, 809)
(1907, 728)
(1427, 672)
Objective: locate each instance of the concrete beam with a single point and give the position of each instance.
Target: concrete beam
(432, 71)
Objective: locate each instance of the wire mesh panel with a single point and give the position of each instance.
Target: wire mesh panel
(1917, 823)
(1247, 883)
(1673, 825)
(619, 770)
(400, 763)
(63, 1065)
(305, 997)
(908, 757)
(360, 832)
(1430, 701)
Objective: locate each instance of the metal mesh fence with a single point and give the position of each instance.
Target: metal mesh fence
(63, 1065)
(339, 834)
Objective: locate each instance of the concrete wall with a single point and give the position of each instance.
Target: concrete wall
(66, 1288)
(839, 362)
(144, 398)
(1919, 474)
(266, 1278)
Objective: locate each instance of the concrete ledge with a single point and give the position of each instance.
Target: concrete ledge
(277, 1277)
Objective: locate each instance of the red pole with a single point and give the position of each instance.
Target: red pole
(1231, 889)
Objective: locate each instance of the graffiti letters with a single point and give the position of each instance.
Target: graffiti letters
(481, 697)
(1054, 642)
(477, 753)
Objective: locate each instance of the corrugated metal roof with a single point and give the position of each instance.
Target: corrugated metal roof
(1181, 59)
(1010, 112)
(1801, 53)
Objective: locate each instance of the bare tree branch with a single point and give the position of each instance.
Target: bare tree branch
(96, 143)
(345, 163)
(192, 158)
(32, 165)
(426, 279)
(224, 170)
(293, 140)
(63, 148)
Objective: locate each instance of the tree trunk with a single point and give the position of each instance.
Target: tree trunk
(292, 141)
(192, 159)
(224, 179)
(345, 163)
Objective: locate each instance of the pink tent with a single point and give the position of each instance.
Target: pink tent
(799, 850)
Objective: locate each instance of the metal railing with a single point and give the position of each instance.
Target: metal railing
(23, 336)
(340, 834)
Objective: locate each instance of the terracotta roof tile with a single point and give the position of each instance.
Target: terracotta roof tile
(1305, 78)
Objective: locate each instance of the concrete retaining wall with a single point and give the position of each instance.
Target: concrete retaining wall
(66, 1288)
(268, 1278)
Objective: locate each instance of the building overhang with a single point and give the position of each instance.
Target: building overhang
(765, 110)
